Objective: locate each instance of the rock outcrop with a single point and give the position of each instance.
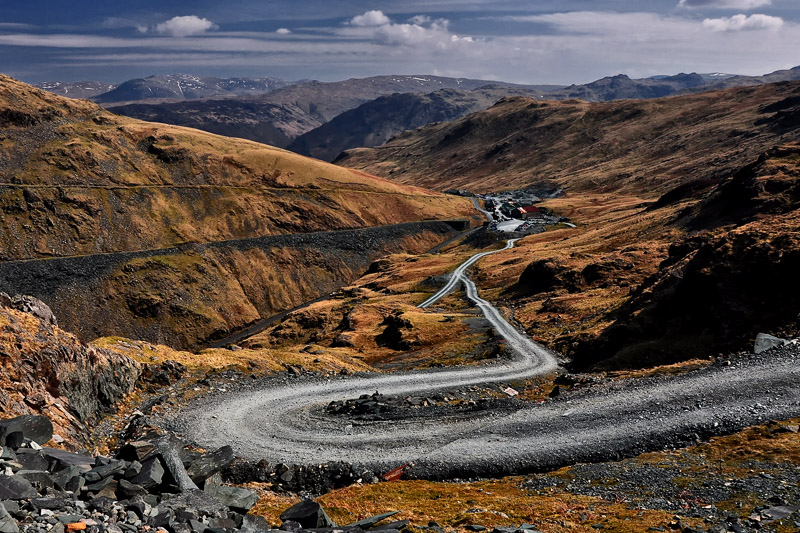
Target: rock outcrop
(44, 370)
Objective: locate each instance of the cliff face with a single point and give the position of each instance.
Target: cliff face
(47, 371)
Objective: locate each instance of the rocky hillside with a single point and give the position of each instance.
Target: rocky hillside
(641, 147)
(50, 372)
(377, 121)
(76, 180)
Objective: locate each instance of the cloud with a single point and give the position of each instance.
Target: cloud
(420, 30)
(743, 23)
(370, 18)
(283, 31)
(724, 4)
(184, 26)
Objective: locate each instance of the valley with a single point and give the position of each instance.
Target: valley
(525, 314)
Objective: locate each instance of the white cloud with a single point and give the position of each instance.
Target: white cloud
(184, 26)
(743, 23)
(419, 31)
(283, 31)
(724, 4)
(370, 18)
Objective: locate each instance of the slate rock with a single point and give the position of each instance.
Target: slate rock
(371, 521)
(168, 449)
(236, 498)
(475, 527)
(104, 471)
(7, 453)
(397, 525)
(16, 488)
(14, 440)
(136, 451)
(309, 514)
(40, 479)
(53, 504)
(764, 342)
(196, 501)
(61, 459)
(152, 474)
(62, 478)
(255, 524)
(37, 428)
(208, 464)
(7, 524)
(128, 490)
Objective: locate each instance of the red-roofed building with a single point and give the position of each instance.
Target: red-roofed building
(527, 212)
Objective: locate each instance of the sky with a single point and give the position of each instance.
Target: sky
(523, 41)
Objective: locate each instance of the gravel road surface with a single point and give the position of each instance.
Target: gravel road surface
(285, 421)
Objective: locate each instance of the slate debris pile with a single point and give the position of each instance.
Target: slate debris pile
(150, 484)
(309, 515)
(313, 479)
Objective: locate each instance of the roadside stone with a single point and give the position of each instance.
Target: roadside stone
(764, 342)
(16, 488)
(309, 514)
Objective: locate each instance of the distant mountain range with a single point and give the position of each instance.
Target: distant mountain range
(187, 87)
(377, 121)
(283, 115)
(77, 89)
(323, 119)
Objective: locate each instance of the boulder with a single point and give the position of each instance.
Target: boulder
(764, 342)
(39, 429)
(16, 488)
(32, 459)
(152, 474)
(308, 514)
(7, 524)
(208, 464)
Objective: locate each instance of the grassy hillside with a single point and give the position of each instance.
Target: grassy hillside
(642, 147)
(76, 180)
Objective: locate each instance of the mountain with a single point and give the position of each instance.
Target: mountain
(171, 234)
(377, 121)
(294, 110)
(792, 74)
(272, 124)
(622, 87)
(187, 87)
(78, 89)
(641, 146)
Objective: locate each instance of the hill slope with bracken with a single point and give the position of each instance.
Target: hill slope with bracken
(77, 181)
(643, 146)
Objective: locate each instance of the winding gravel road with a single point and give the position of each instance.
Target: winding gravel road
(284, 420)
